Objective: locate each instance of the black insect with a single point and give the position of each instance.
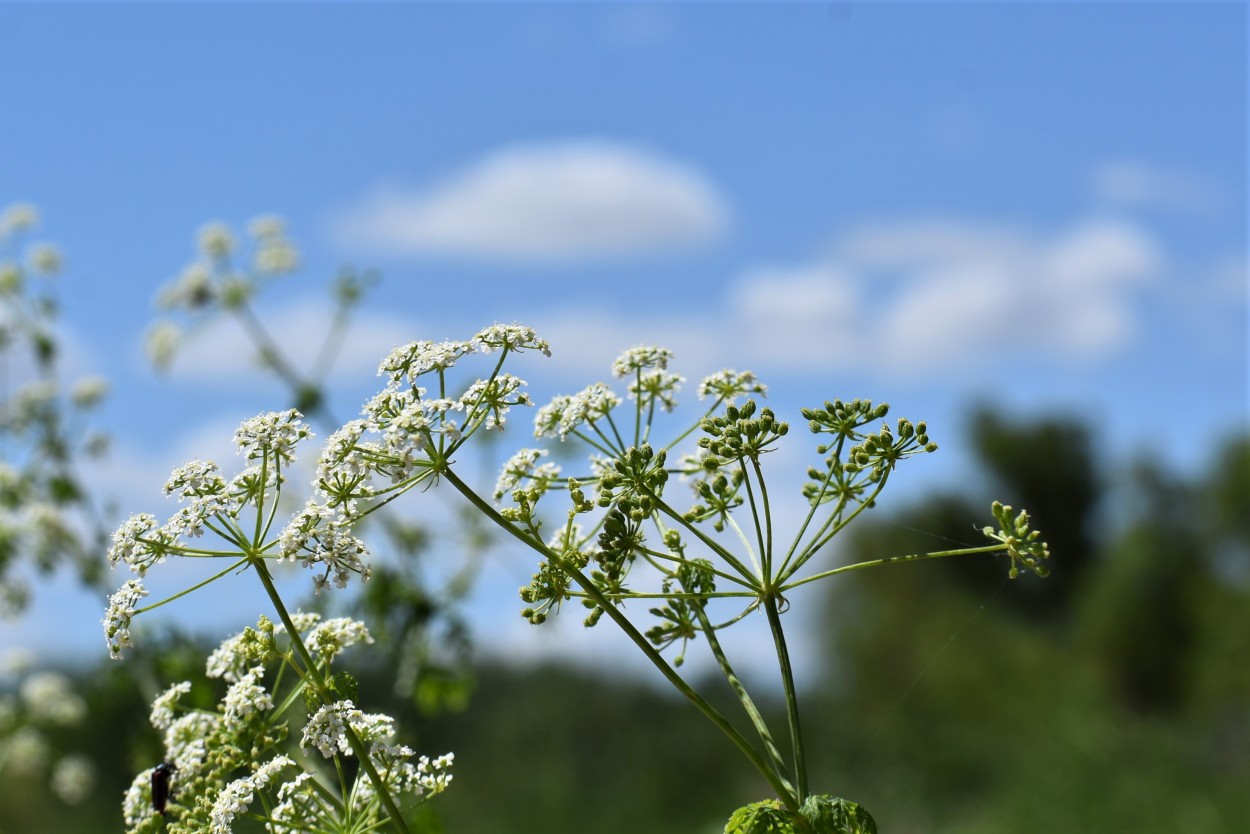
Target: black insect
(161, 774)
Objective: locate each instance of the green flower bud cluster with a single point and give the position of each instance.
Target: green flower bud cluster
(637, 480)
(1024, 545)
(619, 543)
(843, 419)
(679, 618)
(581, 504)
(850, 472)
(882, 451)
(739, 435)
(720, 494)
(550, 586)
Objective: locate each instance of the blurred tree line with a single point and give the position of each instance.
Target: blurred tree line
(1113, 696)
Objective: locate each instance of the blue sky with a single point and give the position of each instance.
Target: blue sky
(1040, 205)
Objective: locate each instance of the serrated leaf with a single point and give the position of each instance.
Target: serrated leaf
(765, 817)
(832, 815)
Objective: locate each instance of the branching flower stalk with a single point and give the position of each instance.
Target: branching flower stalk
(620, 517)
(727, 475)
(228, 278)
(241, 513)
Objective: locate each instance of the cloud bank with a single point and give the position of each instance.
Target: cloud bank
(545, 202)
(936, 294)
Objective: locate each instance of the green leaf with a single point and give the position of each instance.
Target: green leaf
(819, 815)
(831, 815)
(766, 817)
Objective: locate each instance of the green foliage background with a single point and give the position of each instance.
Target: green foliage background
(1113, 696)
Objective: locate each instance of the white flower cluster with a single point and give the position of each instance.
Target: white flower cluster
(565, 414)
(195, 479)
(137, 803)
(162, 716)
(326, 730)
(17, 218)
(651, 384)
(513, 337)
(396, 766)
(120, 612)
(271, 436)
(275, 254)
(246, 698)
(73, 778)
(140, 543)
(729, 384)
(641, 358)
(328, 639)
(321, 535)
(522, 467)
(209, 500)
(191, 290)
(406, 363)
(237, 797)
(345, 466)
(657, 386)
(186, 741)
(215, 240)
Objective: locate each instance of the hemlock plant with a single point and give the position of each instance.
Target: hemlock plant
(682, 525)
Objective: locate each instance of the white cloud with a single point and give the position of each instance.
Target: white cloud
(930, 294)
(903, 298)
(544, 202)
(1138, 184)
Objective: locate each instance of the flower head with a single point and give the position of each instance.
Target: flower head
(407, 362)
(320, 535)
(641, 358)
(120, 612)
(729, 384)
(513, 337)
(271, 435)
(564, 414)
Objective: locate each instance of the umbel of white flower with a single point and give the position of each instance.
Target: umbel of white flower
(408, 432)
(230, 761)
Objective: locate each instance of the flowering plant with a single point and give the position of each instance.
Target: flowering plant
(722, 550)
(219, 761)
(198, 788)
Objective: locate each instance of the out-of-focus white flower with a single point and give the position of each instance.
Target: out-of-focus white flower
(17, 218)
(73, 778)
(266, 226)
(87, 391)
(50, 698)
(162, 342)
(45, 259)
(27, 751)
(10, 278)
(215, 240)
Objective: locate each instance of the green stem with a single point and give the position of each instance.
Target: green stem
(826, 534)
(195, 587)
(744, 698)
(767, 545)
(327, 697)
(912, 557)
(710, 543)
(792, 700)
(657, 660)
